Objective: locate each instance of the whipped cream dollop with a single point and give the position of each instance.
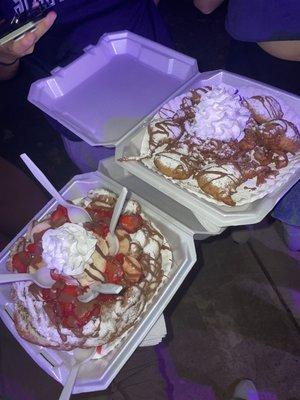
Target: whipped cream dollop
(220, 115)
(68, 248)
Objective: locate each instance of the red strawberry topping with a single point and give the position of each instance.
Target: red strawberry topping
(59, 216)
(103, 213)
(64, 307)
(56, 276)
(21, 261)
(114, 272)
(130, 222)
(46, 294)
(104, 298)
(33, 248)
(120, 257)
(99, 228)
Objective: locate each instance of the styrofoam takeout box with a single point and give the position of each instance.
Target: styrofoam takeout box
(212, 216)
(98, 374)
(108, 95)
(111, 87)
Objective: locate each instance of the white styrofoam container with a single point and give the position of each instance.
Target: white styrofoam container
(98, 96)
(211, 216)
(98, 374)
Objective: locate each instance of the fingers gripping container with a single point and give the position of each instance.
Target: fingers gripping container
(98, 374)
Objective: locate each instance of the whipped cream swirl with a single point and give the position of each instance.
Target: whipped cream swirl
(68, 248)
(220, 115)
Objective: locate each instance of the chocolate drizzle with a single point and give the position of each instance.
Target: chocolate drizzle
(260, 154)
(142, 277)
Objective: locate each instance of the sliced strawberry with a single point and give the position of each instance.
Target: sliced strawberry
(85, 311)
(56, 276)
(35, 249)
(69, 322)
(103, 213)
(101, 229)
(130, 222)
(68, 293)
(98, 349)
(46, 294)
(32, 248)
(103, 298)
(113, 271)
(59, 216)
(119, 257)
(71, 290)
(21, 261)
(67, 309)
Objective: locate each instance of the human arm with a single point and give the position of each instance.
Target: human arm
(11, 52)
(284, 49)
(207, 6)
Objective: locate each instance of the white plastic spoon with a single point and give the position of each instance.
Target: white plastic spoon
(80, 357)
(111, 237)
(96, 288)
(76, 214)
(117, 210)
(41, 277)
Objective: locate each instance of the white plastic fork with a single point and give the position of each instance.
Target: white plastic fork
(117, 210)
(111, 237)
(41, 277)
(76, 214)
(96, 288)
(80, 357)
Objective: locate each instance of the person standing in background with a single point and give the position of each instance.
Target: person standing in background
(265, 45)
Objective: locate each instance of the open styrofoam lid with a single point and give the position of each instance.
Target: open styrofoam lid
(112, 86)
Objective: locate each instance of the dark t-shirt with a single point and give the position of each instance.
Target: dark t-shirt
(82, 22)
(263, 20)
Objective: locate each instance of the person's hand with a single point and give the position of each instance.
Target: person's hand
(15, 49)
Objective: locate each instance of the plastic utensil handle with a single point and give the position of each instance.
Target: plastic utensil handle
(117, 210)
(68, 387)
(107, 288)
(42, 179)
(7, 278)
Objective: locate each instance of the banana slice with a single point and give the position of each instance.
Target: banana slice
(88, 278)
(132, 269)
(38, 228)
(98, 261)
(113, 244)
(101, 204)
(124, 245)
(102, 246)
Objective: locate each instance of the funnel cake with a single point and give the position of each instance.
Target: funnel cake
(56, 317)
(220, 145)
(263, 108)
(280, 135)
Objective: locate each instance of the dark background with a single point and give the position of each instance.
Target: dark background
(24, 129)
